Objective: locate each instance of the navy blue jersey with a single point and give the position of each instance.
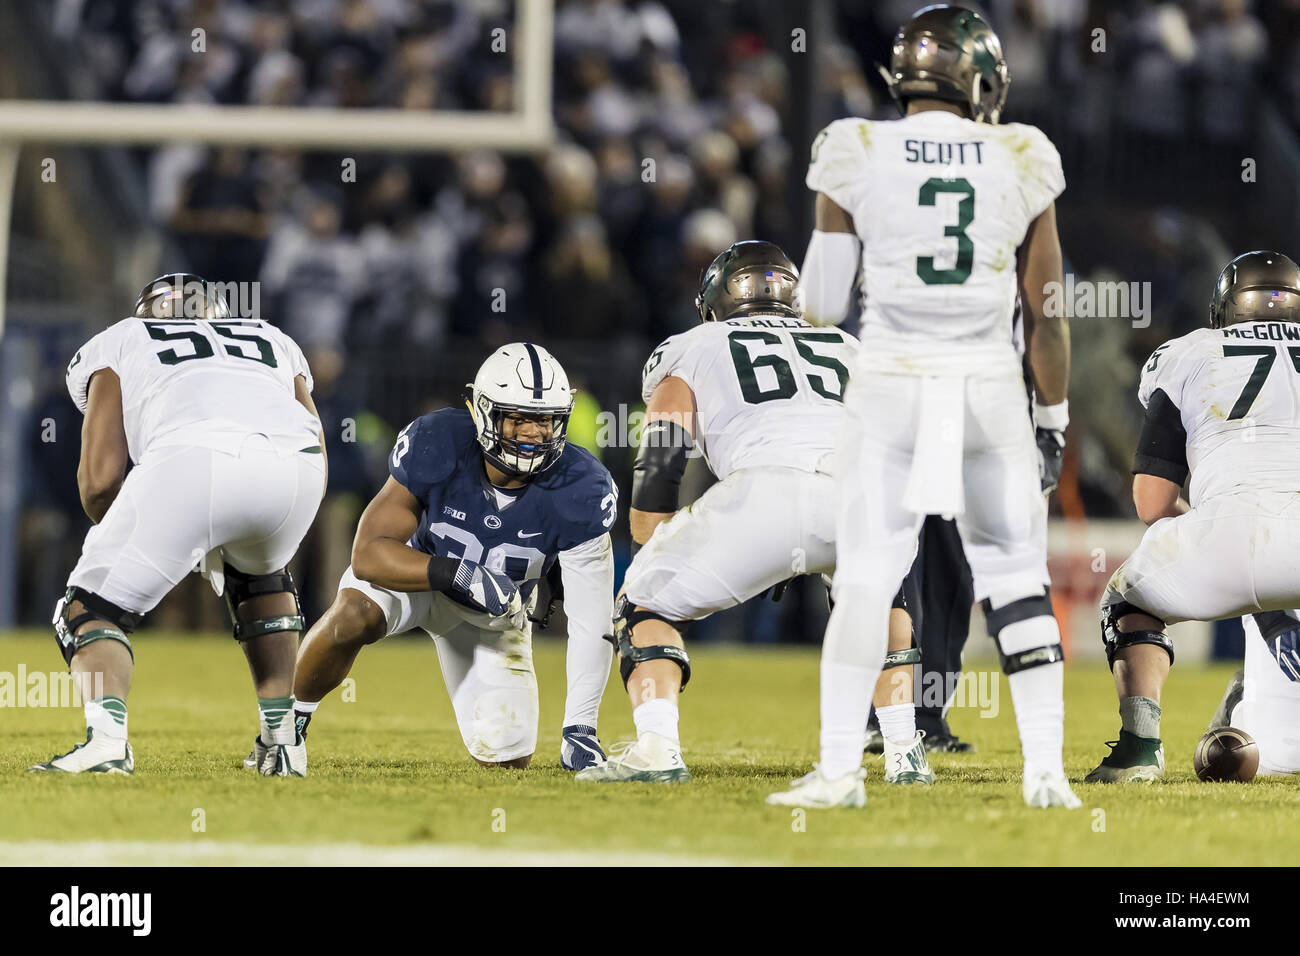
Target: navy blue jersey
(438, 459)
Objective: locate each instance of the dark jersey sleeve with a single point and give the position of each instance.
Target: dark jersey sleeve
(423, 455)
(587, 501)
(1162, 446)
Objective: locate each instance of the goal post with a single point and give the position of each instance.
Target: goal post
(528, 128)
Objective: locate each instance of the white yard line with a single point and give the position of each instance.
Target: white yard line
(201, 852)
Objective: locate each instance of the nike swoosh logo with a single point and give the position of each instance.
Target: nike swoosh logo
(533, 535)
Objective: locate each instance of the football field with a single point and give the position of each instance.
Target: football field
(390, 782)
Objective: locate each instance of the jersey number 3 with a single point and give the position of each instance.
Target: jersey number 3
(960, 271)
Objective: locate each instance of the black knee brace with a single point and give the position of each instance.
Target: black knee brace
(1038, 605)
(96, 609)
(1115, 640)
(630, 655)
(240, 587)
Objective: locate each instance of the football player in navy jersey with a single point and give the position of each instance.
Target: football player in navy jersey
(479, 507)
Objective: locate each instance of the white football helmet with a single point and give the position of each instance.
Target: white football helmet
(520, 379)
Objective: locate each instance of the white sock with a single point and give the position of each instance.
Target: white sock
(305, 706)
(897, 722)
(852, 655)
(1038, 696)
(275, 715)
(106, 716)
(658, 716)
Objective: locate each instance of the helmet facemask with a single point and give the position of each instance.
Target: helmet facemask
(514, 456)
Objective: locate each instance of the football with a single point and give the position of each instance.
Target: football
(1226, 754)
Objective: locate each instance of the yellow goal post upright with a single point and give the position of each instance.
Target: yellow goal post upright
(528, 128)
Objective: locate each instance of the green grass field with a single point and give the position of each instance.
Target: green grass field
(390, 782)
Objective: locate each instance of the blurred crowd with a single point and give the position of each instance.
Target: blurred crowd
(678, 131)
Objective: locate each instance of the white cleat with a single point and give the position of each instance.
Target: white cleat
(653, 758)
(815, 792)
(95, 755)
(255, 756)
(906, 763)
(1050, 790)
(284, 760)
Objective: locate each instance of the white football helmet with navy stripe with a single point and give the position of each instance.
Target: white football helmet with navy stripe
(521, 379)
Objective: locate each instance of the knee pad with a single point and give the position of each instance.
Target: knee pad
(630, 655)
(910, 655)
(1114, 640)
(240, 587)
(1036, 605)
(122, 622)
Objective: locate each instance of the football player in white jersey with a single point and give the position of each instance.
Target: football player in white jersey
(216, 415)
(950, 216)
(1223, 407)
(760, 393)
(1263, 698)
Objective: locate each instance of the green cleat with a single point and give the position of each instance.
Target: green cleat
(1132, 759)
(651, 759)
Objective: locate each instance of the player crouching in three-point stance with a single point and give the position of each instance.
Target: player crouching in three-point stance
(479, 507)
(759, 392)
(1221, 405)
(216, 413)
(949, 209)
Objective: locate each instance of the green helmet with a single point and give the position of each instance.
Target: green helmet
(750, 276)
(1255, 287)
(949, 53)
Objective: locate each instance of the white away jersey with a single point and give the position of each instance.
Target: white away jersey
(1237, 395)
(191, 382)
(769, 389)
(941, 204)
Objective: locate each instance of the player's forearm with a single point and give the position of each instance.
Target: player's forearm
(392, 564)
(97, 499)
(1049, 357)
(826, 282)
(643, 523)
(589, 603)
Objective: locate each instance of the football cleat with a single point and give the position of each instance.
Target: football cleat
(1132, 759)
(255, 756)
(650, 759)
(905, 763)
(1231, 698)
(285, 760)
(94, 755)
(816, 792)
(1050, 790)
(941, 742)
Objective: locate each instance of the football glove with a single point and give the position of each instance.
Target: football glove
(1050, 422)
(491, 592)
(581, 748)
(1051, 456)
(1285, 649)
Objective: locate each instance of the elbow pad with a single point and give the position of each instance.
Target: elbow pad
(829, 271)
(660, 464)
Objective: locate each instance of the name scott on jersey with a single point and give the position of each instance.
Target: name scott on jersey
(932, 151)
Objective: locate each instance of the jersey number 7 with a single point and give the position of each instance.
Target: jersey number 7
(1267, 356)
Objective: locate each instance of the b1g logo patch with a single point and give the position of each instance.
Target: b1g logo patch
(492, 521)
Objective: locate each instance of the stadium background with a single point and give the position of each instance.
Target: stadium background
(399, 283)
